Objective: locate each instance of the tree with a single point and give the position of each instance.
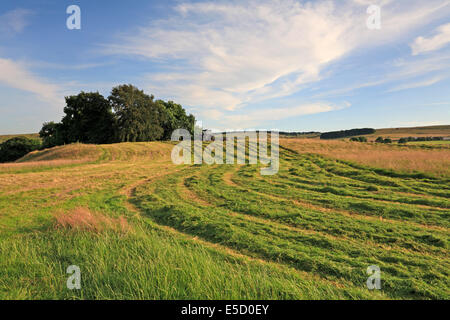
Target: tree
(387, 140)
(402, 140)
(176, 118)
(52, 134)
(88, 119)
(17, 147)
(379, 140)
(138, 117)
(346, 133)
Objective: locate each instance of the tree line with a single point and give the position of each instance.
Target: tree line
(127, 115)
(346, 133)
(15, 148)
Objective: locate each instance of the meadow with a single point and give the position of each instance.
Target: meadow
(140, 227)
(397, 133)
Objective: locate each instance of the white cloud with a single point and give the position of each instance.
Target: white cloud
(438, 41)
(15, 75)
(266, 116)
(230, 54)
(418, 84)
(14, 21)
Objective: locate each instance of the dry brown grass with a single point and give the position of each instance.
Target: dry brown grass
(76, 151)
(36, 164)
(82, 219)
(397, 133)
(432, 161)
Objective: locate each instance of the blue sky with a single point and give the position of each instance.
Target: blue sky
(289, 65)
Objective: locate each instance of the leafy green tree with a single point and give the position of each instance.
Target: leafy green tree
(379, 140)
(52, 134)
(176, 118)
(17, 147)
(88, 118)
(402, 140)
(138, 116)
(387, 140)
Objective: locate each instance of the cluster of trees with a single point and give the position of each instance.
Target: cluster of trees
(346, 133)
(408, 139)
(381, 140)
(127, 115)
(297, 134)
(359, 139)
(17, 147)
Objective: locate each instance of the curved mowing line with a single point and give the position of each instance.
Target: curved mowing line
(309, 205)
(364, 185)
(190, 196)
(316, 195)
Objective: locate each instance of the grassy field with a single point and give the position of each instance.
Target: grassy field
(408, 158)
(140, 227)
(397, 133)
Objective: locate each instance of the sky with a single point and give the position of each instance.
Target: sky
(287, 65)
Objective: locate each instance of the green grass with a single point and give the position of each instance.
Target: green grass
(224, 232)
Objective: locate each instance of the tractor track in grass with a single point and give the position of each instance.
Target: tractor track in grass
(189, 195)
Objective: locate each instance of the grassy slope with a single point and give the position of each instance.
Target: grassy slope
(220, 232)
(397, 133)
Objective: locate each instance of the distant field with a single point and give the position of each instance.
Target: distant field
(397, 133)
(140, 227)
(407, 158)
(10, 136)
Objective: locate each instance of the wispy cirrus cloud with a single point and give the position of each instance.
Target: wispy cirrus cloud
(15, 75)
(15, 21)
(417, 84)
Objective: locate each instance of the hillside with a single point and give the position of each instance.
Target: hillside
(397, 133)
(140, 227)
